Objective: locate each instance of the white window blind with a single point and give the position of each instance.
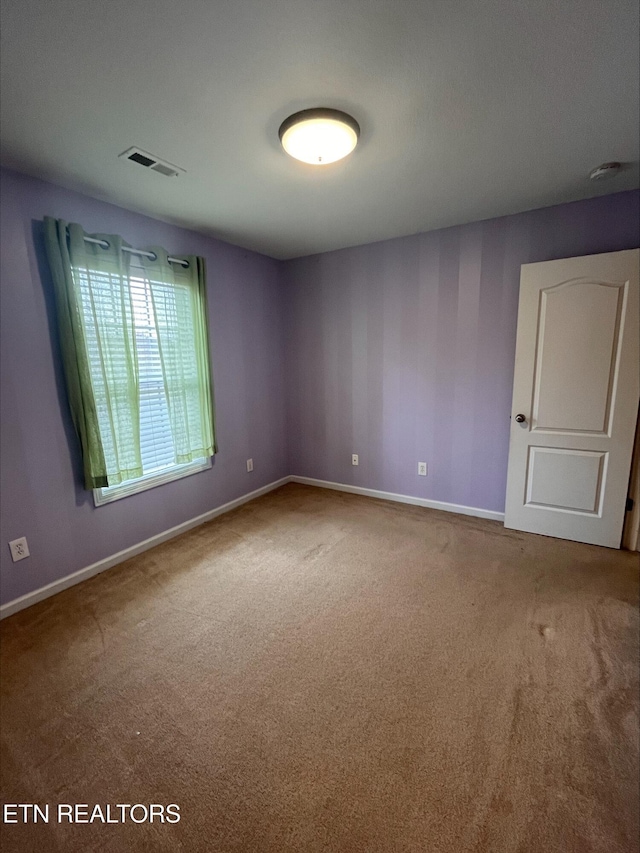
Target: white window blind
(156, 439)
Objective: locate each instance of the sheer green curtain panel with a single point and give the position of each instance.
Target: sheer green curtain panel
(177, 296)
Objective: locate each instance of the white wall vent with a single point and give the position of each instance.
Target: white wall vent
(149, 161)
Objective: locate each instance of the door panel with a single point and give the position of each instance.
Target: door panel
(566, 480)
(578, 336)
(576, 382)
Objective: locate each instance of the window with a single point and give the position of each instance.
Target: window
(157, 445)
(135, 348)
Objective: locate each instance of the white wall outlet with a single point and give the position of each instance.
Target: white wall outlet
(422, 469)
(354, 459)
(19, 549)
(249, 464)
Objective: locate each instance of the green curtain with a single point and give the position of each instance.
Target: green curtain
(74, 354)
(179, 302)
(96, 286)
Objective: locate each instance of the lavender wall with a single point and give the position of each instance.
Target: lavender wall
(402, 351)
(42, 496)
(399, 351)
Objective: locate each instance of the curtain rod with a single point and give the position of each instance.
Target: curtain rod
(152, 255)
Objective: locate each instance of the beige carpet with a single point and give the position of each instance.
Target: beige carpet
(323, 672)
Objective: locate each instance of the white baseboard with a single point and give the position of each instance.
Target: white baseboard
(102, 565)
(403, 499)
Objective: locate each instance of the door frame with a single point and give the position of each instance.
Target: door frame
(631, 529)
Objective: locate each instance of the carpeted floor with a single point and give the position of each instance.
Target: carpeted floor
(318, 671)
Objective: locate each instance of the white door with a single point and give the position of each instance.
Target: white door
(575, 397)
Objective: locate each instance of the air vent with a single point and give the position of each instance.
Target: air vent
(143, 158)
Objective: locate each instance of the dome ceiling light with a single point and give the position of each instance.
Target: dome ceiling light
(319, 136)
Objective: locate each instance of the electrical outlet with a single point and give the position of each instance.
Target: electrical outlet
(422, 469)
(19, 549)
(354, 459)
(249, 465)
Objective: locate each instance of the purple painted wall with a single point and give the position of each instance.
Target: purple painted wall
(399, 351)
(42, 498)
(402, 351)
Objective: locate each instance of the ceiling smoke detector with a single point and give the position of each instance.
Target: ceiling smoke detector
(604, 170)
(319, 136)
(150, 161)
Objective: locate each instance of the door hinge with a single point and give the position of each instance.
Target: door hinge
(629, 506)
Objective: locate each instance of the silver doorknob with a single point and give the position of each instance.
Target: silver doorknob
(520, 419)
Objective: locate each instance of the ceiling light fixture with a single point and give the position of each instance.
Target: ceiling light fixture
(319, 136)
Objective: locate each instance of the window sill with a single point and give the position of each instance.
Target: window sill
(149, 481)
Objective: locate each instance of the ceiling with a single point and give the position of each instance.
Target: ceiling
(468, 108)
